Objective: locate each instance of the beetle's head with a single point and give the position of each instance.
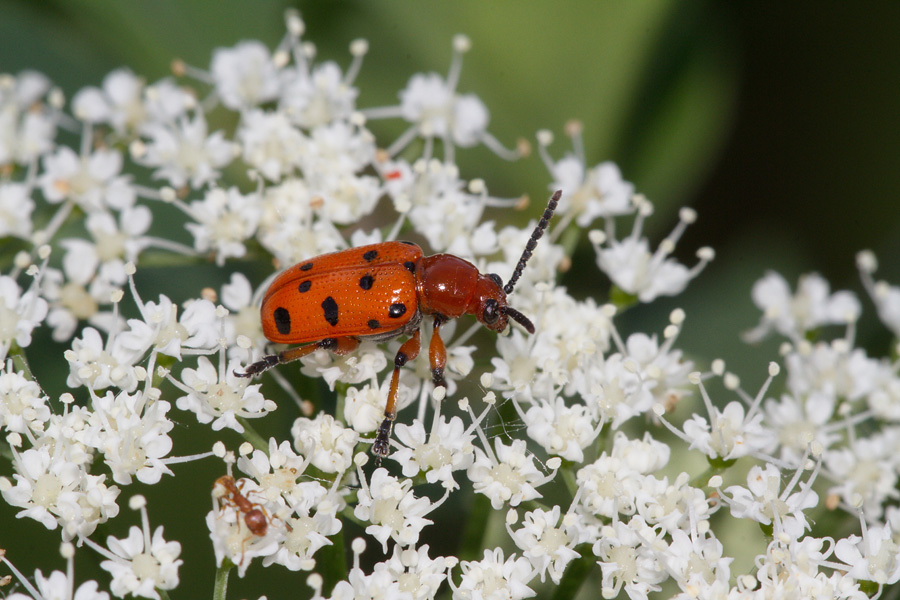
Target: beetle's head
(490, 306)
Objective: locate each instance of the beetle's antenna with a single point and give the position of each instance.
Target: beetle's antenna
(519, 318)
(532, 243)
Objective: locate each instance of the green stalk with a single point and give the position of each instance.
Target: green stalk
(20, 361)
(220, 588)
(252, 436)
(476, 521)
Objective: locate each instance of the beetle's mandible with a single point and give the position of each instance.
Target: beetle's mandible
(382, 291)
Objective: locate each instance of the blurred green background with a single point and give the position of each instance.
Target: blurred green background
(777, 121)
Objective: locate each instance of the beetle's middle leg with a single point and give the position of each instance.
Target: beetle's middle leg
(408, 351)
(341, 345)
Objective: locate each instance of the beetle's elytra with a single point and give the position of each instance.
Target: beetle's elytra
(383, 291)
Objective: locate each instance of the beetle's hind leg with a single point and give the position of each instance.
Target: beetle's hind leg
(437, 353)
(341, 345)
(408, 351)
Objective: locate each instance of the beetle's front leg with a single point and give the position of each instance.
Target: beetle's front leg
(341, 345)
(437, 353)
(408, 351)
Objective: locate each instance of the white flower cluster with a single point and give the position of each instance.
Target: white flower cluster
(579, 473)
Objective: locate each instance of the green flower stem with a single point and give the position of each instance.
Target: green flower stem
(476, 524)
(220, 588)
(163, 594)
(568, 476)
(716, 467)
(20, 361)
(569, 239)
(331, 562)
(251, 435)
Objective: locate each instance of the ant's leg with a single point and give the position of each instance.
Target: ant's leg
(341, 345)
(408, 351)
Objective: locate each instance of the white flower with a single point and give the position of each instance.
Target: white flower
(23, 404)
(118, 103)
(447, 448)
(325, 442)
(132, 434)
(561, 429)
(360, 366)
(547, 542)
(638, 272)
(316, 98)
(271, 143)
(166, 101)
(392, 509)
(762, 500)
(793, 315)
(608, 487)
(59, 586)
(138, 564)
(364, 407)
(798, 421)
(27, 127)
(832, 369)
(417, 574)
(93, 182)
(494, 578)
(182, 152)
(626, 562)
(866, 470)
(510, 476)
(100, 365)
(307, 529)
(697, 562)
(588, 194)
(433, 105)
(290, 228)
(885, 296)
(615, 389)
(20, 313)
(220, 397)
(731, 435)
(244, 76)
(872, 557)
(55, 491)
(16, 206)
(644, 456)
(225, 220)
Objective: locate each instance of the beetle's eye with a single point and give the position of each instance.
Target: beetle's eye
(491, 311)
(496, 279)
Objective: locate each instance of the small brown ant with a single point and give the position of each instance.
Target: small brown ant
(255, 517)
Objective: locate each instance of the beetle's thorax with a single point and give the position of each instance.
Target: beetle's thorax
(446, 284)
(450, 286)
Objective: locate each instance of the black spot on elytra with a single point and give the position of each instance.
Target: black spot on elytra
(306, 267)
(282, 320)
(371, 255)
(411, 266)
(374, 324)
(366, 281)
(398, 309)
(304, 287)
(407, 243)
(331, 310)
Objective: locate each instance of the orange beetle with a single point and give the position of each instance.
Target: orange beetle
(379, 292)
